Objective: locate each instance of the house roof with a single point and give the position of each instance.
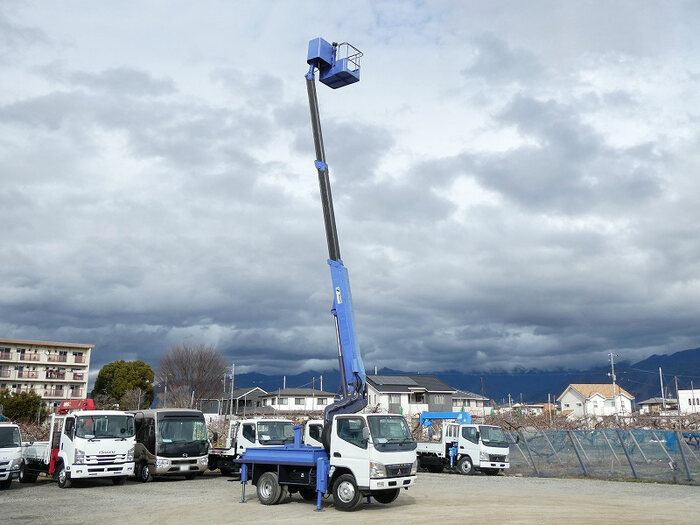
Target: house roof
(406, 384)
(588, 390)
(298, 392)
(657, 401)
(238, 393)
(466, 394)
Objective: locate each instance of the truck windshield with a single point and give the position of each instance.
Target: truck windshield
(9, 437)
(390, 433)
(104, 426)
(493, 436)
(185, 430)
(275, 432)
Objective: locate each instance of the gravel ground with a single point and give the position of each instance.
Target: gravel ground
(449, 498)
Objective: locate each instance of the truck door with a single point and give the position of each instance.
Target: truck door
(67, 448)
(469, 443)
(349, 447)
(246, 437)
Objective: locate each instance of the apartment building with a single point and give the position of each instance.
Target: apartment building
(54, 371)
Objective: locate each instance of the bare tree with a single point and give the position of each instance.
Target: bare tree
(189, 368)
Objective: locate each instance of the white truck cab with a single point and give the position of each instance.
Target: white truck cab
(312, 433)
(478, 447)
(83, 444)
(10, 454)
(245, 433)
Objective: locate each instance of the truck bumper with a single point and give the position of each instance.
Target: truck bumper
(493, 464)
(101, 471)
(391, 483)
(181, 468)
(8, 474)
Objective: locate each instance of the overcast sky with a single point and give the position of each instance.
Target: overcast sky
(516, 183)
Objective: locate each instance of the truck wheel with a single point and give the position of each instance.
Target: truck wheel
(491, 471)
(307, 494)
(346, 495)
(64, 480)
(25, 476)
(144, 474)
(386, 496)
(268, 488)
(119, 481)
(5, 484)
(435, 469)
(465, 466)
(284, 494)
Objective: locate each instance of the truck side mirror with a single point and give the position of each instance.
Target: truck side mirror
(31, 440)
(478, 436)
(215, 437)
(365, 433)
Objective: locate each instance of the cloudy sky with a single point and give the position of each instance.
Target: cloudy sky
(516, 184)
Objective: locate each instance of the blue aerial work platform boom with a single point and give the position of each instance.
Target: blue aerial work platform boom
(363, 455)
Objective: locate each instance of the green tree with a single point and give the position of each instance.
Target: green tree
(117, 381)
(25, 406)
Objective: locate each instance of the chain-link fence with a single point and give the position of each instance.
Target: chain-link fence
(654, 455)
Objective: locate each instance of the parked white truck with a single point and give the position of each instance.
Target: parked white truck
(246, 433)
(464, 446)
(313, 430)
(10, 454)
(83, 444)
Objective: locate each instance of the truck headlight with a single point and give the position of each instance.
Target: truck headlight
(16, 464)
(162, 463)
(484, 456)
(377, 470)
(414, 468)
(79, 457)
(203, 461)
(130, 454)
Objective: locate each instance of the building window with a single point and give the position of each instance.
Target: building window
(439, 399)
(321, 401)
(417, 398)
(395, 399)
(566, 405)
(298, 400)
(283, 401)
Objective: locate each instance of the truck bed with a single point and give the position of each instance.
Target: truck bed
(431, 447)
(39, 451)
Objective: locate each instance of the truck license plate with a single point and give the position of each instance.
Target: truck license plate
(184, 467)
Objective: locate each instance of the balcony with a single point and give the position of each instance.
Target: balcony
(78, 377)
(23, 390)
(28, 357)
(5, 373)
(76, 393)
(79, 359)
(5, 356)
(54, 393)
(28, 374)
(55, 375)
(55, 358)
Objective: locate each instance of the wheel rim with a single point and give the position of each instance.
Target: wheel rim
(144, 472)
(62, 476)
(466, 467)
(346, 491)
(266, 489)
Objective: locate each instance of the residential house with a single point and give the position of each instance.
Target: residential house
(466, 401)
(242, 401)
(595, 400)
(689, 401)
(655, 405)
(307, 400)
(408, 394)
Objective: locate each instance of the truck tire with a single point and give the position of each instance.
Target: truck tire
(307, 494)
(465, 467)
(386, 496)
(63, 477)
(284, 494)
(5, 484)
(143, 473)
(119, 481)
(25, 476)
(346, 495)
(268, 488)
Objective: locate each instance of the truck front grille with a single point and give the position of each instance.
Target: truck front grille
(494, 457)
(395, 471)
(105, 459)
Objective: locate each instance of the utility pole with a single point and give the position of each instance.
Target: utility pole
(678, 400)
(614, 385)
(549, 407)
(510, 402)
(663, 397)
(230, 402)
(284, 382)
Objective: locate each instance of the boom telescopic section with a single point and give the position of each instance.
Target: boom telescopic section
(338, 65)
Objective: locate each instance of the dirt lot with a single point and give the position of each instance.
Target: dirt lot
(438, 498)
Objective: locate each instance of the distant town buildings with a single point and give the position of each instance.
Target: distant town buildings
(408, 394)
(592, 400)
(306, 400)
(689, 401)
(466, 401)
(54, 371)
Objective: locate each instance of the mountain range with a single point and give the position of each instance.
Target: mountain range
(641, 378)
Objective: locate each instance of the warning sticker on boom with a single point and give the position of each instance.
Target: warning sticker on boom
(338, 297)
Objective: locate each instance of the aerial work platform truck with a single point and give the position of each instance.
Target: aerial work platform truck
(363, 456)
